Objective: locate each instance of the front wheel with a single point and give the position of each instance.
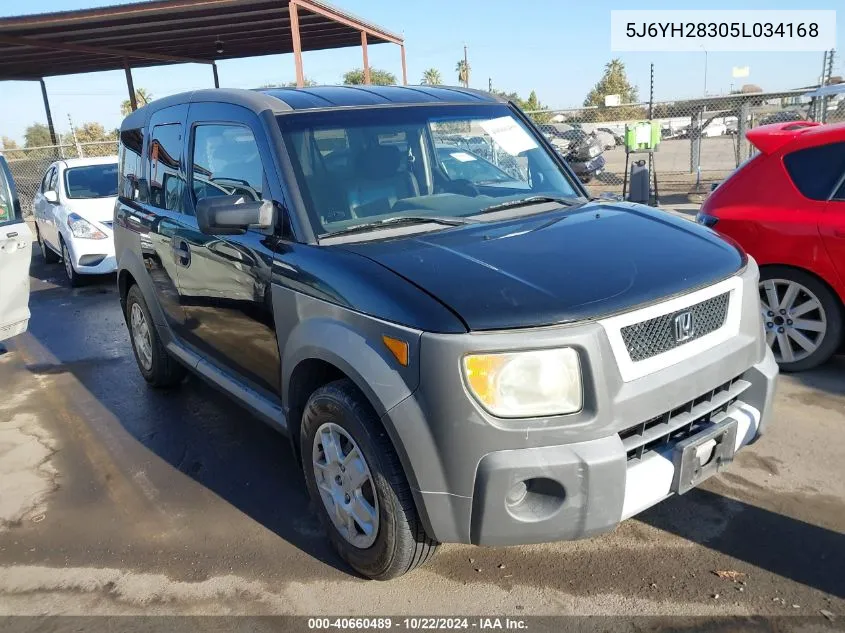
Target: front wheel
(73, 277)
(356, 482)
(802, 317)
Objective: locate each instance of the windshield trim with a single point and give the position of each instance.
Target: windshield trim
(80, 167)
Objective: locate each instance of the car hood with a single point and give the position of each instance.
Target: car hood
(560, 266)
(94, 209)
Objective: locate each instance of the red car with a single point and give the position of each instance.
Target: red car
(786, 208)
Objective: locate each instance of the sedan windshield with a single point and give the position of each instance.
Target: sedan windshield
(91, 181)
(364, 166)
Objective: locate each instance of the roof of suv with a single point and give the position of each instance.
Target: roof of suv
(282, 100)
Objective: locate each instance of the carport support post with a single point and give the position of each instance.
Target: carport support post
(366, 60)
(130, 84)
(47, 110)
(297, 43)
(404, 68)
(214, 70)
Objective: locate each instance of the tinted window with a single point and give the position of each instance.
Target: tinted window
(226, 162)
(165, 174)
(131, 144)
(816, 170)
(91, 181)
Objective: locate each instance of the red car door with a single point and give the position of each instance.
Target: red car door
(832, 230)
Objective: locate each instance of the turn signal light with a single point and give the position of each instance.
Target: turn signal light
(398, 348)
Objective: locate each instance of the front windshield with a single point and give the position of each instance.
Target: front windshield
(91, 181)
(370, 165)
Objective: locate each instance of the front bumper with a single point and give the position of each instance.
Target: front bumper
(92, 257)
(463, 464)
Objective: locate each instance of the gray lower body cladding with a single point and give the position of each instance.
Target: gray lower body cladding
(483, 480)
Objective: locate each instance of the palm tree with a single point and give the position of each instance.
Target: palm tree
(431, 77)
(463, 69)
(142, 98)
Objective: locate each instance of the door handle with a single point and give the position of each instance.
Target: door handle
(182, 253)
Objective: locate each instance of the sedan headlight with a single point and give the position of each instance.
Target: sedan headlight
(80, 227)
(526, 384)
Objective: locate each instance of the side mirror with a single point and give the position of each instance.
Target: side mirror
(233, 215)
(51, 196)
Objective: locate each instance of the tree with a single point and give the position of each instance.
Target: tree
(463, 69)
(8, 145)
(538, 112)
(142, 98)
(613, 82)
(750, 89)
(89, 133)
(37, 135)
(431, 77)
(355, 77)
(306, 83)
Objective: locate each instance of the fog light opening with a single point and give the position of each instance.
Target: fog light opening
(535, 499)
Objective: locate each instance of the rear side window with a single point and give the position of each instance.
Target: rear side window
(816, 170)
(167, 186)
(131, 144)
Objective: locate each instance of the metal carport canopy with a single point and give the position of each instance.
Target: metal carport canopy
(177, 31)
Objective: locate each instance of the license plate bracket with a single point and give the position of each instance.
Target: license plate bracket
(689, 454)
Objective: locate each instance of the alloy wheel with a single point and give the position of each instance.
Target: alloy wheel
(141, 336)
(345, 485)
(68, 263)
(794, 319)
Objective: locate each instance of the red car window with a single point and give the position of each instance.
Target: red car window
(816, 170)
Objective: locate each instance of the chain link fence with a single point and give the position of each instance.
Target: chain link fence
(701, 141)
(29, 164)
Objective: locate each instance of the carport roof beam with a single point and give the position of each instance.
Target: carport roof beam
(174, 31)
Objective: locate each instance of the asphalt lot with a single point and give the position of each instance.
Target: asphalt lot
(115, 498)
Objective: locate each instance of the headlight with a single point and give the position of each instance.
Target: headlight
(526, 384)
(80, 227)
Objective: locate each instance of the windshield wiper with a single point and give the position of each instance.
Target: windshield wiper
(402, 219)
(501, 206)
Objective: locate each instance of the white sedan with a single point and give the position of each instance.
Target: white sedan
(74, 210)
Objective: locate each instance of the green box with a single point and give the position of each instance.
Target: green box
(642, 135)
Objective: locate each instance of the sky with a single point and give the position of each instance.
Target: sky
(556, 47)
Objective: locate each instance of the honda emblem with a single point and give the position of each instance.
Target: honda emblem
(684, 326)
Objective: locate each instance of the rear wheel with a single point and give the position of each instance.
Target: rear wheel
(157, 367)
(49, 255)
(356, 482)
(802, 317)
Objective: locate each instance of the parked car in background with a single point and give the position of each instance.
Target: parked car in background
(784, 116)
(581, 151)
(609, 138)
(73, 211)
(15, 255)
(455, 359)
(786, 207)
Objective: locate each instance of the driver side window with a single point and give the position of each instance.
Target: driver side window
(226, 161)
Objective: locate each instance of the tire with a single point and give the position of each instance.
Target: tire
(399, 543)
(49, 255)
(813, 335)
(160, 369)
(73, 277)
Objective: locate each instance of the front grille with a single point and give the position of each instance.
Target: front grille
(681, 422)
(655, 336)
